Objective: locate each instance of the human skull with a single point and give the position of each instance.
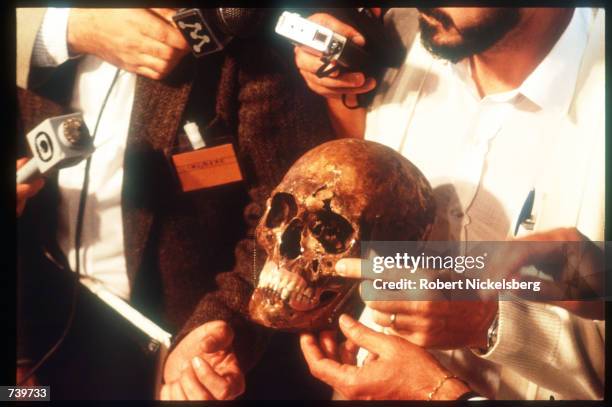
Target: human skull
(335, 196)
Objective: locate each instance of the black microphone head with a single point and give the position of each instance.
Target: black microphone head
(241, 22)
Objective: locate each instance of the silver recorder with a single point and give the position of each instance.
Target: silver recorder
(312, 35)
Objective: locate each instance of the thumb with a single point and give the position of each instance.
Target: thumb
(363, 336)
(350, 268)
(217, 336)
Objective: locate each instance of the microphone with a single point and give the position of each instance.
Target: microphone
(56, 143)
(209, 30)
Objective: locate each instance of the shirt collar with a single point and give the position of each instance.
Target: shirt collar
(551, 85)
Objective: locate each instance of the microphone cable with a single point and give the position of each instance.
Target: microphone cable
(77, 243)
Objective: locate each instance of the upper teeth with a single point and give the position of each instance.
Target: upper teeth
(284, 283)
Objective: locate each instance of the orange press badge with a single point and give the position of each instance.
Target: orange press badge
(207, 167)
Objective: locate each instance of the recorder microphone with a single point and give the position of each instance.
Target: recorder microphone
(56, 143)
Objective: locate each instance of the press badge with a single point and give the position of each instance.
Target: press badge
(200, 166)
(207, 167)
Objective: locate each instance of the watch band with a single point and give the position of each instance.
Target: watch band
(470, 395)
(491, 336)
(492, 332)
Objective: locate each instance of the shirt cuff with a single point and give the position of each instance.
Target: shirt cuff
(51, 45)
(527, 335)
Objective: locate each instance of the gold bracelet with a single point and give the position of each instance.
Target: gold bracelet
(439, 386)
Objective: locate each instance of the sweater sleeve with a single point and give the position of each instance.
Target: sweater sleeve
(229, 302)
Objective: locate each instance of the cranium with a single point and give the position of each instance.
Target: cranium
(336, 195)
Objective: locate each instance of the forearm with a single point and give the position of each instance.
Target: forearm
(346, 123)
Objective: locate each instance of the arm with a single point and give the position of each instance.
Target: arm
(345, 122)
(551, 346)
(218, 340)
(143, 41)
(28, 21)
(230, 303)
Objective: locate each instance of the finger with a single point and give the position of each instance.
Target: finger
(345, 80)
(305, 61)
(216, 336)
(365, 337)
(382, 318)
(21, 162)
(176, 392)
(193, 389)
(159, 50)
(37, 185)
(348, 352)
(231, 372)
(338, 92)
(586, 309)
(401, 307)
(164, 394)
(148, 73)
(370, 358)
(339, 27)
(327, 340)
(350, 268)
(409, 323)
(154, 63)
(218, 386)
(165, 13)
(26, 190)
(159, 29)
(327, 370)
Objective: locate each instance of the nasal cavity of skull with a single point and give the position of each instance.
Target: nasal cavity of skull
(331, 230)
(290, 246)
(282, 209)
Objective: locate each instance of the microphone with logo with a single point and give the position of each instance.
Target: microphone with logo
(58, 142)
(209, 30)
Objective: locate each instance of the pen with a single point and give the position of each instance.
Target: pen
(525, 215)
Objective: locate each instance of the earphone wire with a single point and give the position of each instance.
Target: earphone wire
(77, 243)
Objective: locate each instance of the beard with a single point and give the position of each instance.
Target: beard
(473, 39)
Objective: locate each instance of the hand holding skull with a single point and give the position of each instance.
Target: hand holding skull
(399, 370)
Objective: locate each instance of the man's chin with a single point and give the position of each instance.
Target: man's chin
(436, 41)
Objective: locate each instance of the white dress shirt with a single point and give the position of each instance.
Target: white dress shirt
(482, 156)
(102, 255)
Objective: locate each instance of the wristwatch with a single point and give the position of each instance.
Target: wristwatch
(491, 335)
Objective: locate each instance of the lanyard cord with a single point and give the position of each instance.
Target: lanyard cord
(77, 243)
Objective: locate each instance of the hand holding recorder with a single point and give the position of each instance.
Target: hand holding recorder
(338, 83)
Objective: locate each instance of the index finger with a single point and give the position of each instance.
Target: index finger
(165, 13)
(160, 29)
(21, 162)
(327, 370)
(399, 307)
(351, 268)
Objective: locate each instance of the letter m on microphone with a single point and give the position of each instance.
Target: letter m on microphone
(199, 33)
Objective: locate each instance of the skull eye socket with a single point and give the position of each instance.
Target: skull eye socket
(282, 208)
(331, 230)
(290, 246)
